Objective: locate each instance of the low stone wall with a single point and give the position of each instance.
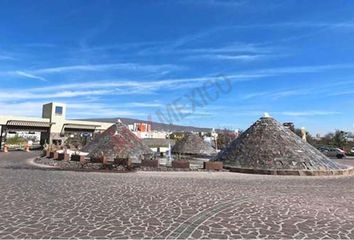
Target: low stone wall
(180, 164)
(77, 158)
(150, 163)
(123, 161)
(213, 166)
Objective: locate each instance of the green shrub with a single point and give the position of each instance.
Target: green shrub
(16, 140)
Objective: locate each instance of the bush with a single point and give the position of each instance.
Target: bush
(16, 140)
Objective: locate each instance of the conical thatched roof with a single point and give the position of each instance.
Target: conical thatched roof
(117, 141)
(267, 145)
(192, 144)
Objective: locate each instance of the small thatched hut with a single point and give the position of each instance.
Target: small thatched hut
(268, 145)
(117, 142)
(193, 145)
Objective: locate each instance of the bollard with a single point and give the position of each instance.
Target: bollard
(104, 160)
(27, 148)
(82, 161)
(66, 157)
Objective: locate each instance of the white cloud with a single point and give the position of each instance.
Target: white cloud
(304, 69)
(104, 89)
(136, 87)
(241, 57)
(31, 76)
(106, 67)
(28, 95)
(175, 48)
(76, 109)
(307, 25)
(178, 46)
(130, 67)
(124, 87)
(6, 57)
(21, 108)
(308, 113)
(107, 112)
(244, 57)
(144, 104)
(342, 93)
(215, 3)
(322, 90)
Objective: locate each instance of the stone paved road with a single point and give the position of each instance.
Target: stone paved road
(45, 203)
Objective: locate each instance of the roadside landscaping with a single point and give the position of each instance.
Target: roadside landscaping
(121, 165)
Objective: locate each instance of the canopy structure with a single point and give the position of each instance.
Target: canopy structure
(117, 142)
(192, 144)
(77, 128)
(23, 125)
(268, 147)
(20, 125)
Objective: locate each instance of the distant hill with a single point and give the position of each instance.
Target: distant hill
(154, 125)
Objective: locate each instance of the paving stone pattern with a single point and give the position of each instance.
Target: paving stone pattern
(46, 203)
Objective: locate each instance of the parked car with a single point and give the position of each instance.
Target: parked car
(333, 152)
(352, 150)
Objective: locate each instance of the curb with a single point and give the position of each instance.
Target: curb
(32, 162)
(290, 172)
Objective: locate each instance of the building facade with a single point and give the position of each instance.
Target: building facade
(144, 130)
(53, 126)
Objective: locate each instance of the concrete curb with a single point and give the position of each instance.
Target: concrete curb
(290, 172)
(32, 162)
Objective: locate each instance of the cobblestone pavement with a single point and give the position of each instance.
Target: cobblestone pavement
(46, 203)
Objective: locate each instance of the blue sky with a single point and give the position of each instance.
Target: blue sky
(293, 59)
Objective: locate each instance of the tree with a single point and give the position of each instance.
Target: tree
(336, 139)
(339, 139)
(327, 139)
(176, 135)
(225, 138)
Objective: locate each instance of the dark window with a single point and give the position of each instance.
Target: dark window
(59, 110)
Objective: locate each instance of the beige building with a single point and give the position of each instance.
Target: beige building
(53, 125)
